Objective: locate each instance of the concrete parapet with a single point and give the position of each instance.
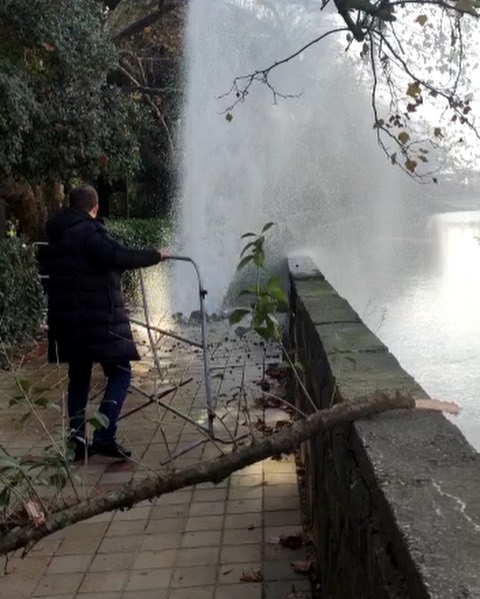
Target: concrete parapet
(395, 499)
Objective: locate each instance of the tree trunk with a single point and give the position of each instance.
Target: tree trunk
(211, 471)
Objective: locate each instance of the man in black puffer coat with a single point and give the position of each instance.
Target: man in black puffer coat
(87, 320)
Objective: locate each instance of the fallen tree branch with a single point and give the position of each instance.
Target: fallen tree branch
(211, 471)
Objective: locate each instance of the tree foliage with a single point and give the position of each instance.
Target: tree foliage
(419, 62)
(60, 116)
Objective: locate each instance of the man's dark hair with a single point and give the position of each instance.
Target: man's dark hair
(83, 197)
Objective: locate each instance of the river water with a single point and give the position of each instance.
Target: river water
(418, 289)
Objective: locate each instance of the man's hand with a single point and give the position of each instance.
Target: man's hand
(164, 253)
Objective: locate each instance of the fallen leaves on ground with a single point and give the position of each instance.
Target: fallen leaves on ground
(275, 372)
(303, 567)
(292, 541)
(252, 576)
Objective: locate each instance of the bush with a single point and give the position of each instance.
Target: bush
(138, 233)
(21, 293)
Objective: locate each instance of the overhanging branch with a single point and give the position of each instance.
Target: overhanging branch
(212, 471)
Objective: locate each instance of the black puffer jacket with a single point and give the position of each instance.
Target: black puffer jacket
(86, 310)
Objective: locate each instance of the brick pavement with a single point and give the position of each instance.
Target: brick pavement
(192, 544)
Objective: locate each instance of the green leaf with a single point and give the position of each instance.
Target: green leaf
(237, 315)
(4, 497)
(99, 421)
(229, 117)
(274, 282)
(267, 227)
(244, 261)
(245, 235)
(58, 480)
(9, 461)
(42, 402)
(15, 401)
(249, 245)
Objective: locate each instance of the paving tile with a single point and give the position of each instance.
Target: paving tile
(250, 480)
(201, 538)
(105, 562)
(52, 584)
(207, 508)
(252, 469)
(165, 525)
(291, 502)
(158, 542)
(240, 554)
(45, 547)
(136, 513)
(175, 498)
(243, 492)
(204, 523)
(280, 490)
(210, 494)
(202, 592)
(278, 571)
(125, 528)
(282, 518)
(241, 506)
(155, 559)
(102, 582)
(156, 594)
(151, 579)
(284, 589)
(281, 478)
(23, 576)
(243, 521)
(121, 544)
(113, 595)
(179, 510)
(279, 466)
(277, 552)
(63, 564)
(242, 536)
(197, 556)
(194, 576)
(242, 590)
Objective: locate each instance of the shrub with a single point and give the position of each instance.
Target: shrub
(21, 293)
(138, 233)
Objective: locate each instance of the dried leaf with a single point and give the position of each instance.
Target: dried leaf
(410, 165)
(421, 19)
(303, 567)
(413, 89)
(293, 541)
(252, 576)
(403, 137)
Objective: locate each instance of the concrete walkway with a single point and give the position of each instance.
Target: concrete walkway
(197, 543)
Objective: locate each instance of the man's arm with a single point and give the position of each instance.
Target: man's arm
(103, 250)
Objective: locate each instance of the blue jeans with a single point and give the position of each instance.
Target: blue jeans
(118, 381)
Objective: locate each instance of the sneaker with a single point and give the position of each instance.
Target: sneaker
(110, 449)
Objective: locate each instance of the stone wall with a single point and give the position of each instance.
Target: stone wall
(394, 499)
